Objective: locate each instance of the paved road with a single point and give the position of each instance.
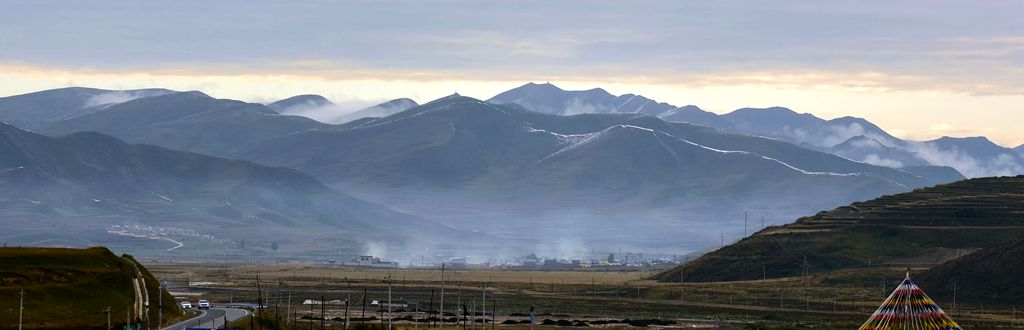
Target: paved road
(212, 318)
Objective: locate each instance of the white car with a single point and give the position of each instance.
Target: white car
(186, 305)
(203, 304)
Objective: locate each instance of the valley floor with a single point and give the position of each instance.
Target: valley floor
(839, 300)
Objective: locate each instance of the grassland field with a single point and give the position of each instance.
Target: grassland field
(841, 299)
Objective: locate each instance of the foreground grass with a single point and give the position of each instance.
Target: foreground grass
(72, 288)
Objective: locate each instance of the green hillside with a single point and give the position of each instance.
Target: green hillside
(991, 274)
(70, 288)
(920, 228)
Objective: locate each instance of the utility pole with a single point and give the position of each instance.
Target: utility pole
(682, 289)
(21, 306)
(348, 300)
(160, 312)
(259, 298)
(458, 301)
(442, 296)
(389, 302)
(954, 296)
(430, 308)
(744, 223)
(105, 311)
(483, 306)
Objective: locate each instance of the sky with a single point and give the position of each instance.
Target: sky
(919, 69)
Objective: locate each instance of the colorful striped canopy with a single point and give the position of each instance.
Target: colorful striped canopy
(909, 308)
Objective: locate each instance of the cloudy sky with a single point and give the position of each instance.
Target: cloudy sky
(920, 69)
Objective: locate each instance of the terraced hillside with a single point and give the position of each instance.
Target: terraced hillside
(923, 227)
(71, 289)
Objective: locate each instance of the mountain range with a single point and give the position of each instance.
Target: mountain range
(850, 137)
(188, 121)
(320, 108)
(548, 98)
(380, 110)
(478, 165)
(32, 110)
(71, 190)
(558, 182)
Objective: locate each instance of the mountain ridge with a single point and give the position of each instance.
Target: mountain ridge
(781, 123)
(188, 121)
(35, 109)
(90, 181)
(508, 160)
(382, 109)
(911, 228)
(304, 100)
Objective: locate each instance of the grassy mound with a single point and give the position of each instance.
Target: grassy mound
(920, 228)
(70, 288)
(992, 274)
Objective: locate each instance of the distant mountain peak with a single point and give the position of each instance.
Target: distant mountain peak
(550, 99)
(304, 100)
(380, 110)
(770, 110)
(965, 138)
(863, 141)
(544, 86)
(401, 100)
(849, 119)
(599, 90)
(33, 110)
(196, 93)
(452, 98)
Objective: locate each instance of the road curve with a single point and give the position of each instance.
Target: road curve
(212, 318)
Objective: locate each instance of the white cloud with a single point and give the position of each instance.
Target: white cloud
(327, 112)
(115, 97)
(575, 107)
(840, 134)
(874, 159)
(867, 144)
(1001, 165)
